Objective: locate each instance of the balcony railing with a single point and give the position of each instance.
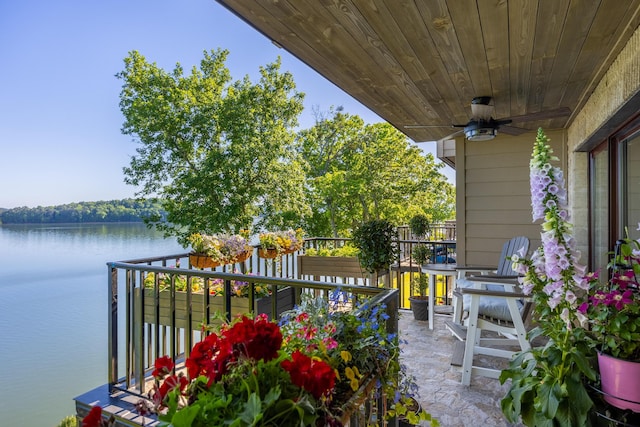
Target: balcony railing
(441, 240)
(145, 323)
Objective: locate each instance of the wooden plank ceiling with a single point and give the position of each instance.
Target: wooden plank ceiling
(421, 62)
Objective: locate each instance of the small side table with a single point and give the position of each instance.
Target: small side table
(433, 270)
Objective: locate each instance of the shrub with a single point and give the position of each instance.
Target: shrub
(375, 240)
(419, 225)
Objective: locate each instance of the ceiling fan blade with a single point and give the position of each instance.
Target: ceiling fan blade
(541, 115)
(512, 130)
(450, 136)
(427, 126)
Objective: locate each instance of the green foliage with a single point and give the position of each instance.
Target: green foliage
(419, 225)
(343, 251)
(420, 254)
(125, 210)
(70, 421)
(223, 154)
(218, 153)
(357, 172)
(179, 282)
(408, 410)
(419, 285)
(548, 383)
(376, 241)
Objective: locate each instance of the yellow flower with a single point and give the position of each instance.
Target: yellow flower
(354, 376)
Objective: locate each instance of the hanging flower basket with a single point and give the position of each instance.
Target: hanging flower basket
(268, 253)
(243, 256)
(274, 244)
(291, 249)
(202, 261)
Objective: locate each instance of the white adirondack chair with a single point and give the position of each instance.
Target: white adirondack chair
(489, 302)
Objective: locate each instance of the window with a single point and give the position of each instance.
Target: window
(599, 207)
(630, 186)
(614, 171)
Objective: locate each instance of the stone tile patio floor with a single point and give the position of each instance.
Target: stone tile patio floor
(427, 355)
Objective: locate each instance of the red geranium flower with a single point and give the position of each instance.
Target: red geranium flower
(93, 418)
(164, 366)
(256, 339)
(200, 359)
(170, 383)
(315, 376)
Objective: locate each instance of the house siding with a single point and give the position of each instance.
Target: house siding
(495, 200)
(492, 177)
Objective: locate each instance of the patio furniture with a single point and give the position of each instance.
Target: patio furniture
(433, 270)
(507, 328)
(503, 270)
(495, 312)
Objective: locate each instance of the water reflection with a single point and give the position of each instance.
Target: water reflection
(53, 311)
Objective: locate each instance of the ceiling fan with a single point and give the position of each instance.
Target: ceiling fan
(483, 127)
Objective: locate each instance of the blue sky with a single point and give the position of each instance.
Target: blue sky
(60, 139)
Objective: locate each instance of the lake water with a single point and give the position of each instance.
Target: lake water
(53, 312)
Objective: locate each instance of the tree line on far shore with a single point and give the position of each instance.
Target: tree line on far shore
(125, 210)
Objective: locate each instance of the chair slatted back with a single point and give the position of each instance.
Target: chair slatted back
(511, 247)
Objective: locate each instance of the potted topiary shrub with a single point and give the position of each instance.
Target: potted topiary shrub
(419, 225)
(418, 298)
(376, 240)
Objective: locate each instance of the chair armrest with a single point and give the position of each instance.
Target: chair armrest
(485, 292)
(476, 268)
(495, 276)
(499, 280)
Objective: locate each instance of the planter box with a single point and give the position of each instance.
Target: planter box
(334, 267)
(286, 301)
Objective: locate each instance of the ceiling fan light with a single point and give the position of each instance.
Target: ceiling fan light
(473, 133)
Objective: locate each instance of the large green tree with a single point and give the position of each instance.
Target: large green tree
(358, 172)
(218, 153)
